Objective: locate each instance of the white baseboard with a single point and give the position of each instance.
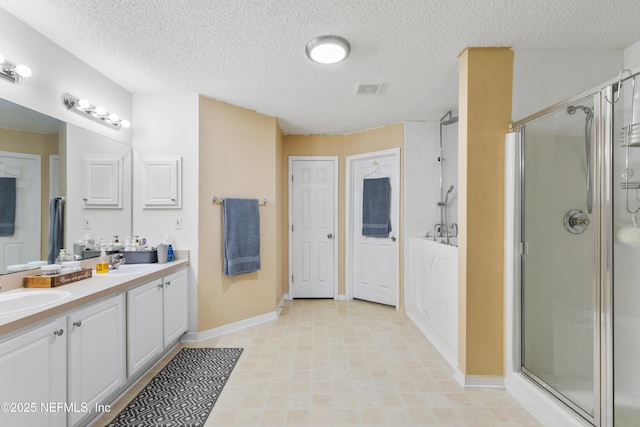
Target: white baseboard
(478, 381)
(280, 305)
(232, 327)
(437, 340)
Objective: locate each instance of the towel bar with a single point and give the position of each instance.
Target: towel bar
(216, 199)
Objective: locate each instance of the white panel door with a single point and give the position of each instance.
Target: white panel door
(313, 240)
(24, 244)
(375, 260)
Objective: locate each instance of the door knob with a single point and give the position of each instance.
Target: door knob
(394, 238)
(329, 236)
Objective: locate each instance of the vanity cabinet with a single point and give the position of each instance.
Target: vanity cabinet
(144, 325)
(156, 318)
(175, 306)
(96, 359)
(33, 371)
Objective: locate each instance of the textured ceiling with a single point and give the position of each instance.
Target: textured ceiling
(251, 53)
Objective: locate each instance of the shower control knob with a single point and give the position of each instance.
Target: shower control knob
(576, 221)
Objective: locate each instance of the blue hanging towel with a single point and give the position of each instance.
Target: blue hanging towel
(376, 207)
(241, 224)
(7, 206)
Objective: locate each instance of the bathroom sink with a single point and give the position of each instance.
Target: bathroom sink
(27, 299)
(127, 269)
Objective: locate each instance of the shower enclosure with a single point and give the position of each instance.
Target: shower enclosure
(580, 253)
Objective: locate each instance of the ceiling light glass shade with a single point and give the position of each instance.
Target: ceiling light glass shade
(1, 58)
(100, 111)
(113, 117)
(328, 49)
(23, 70)
(125, 124)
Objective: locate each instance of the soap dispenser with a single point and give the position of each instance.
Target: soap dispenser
(103, 263)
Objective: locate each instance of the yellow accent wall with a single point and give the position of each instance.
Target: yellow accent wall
(238, 157)
(383, 138)
(44, 145)
(485, 93)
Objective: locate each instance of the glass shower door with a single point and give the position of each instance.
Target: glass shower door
(559, 323)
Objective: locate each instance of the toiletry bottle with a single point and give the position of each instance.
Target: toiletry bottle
(167, 241)
(103, 263)
(61, 257)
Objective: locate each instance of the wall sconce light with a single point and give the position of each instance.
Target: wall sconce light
(12, 72)
(97, 113)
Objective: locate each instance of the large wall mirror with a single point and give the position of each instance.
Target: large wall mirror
(42, 158)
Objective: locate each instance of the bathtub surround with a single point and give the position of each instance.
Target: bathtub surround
(486, 76)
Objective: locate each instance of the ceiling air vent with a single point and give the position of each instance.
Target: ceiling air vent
(368, 89)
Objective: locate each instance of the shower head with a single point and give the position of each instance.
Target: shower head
(448, 119)
(446, 196)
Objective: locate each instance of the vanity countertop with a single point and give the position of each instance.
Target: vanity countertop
(84, 291)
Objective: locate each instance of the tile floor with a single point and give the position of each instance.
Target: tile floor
(338, 363)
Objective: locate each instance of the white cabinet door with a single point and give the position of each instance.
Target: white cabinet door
(144, 325)
(33, 371)
(162, 183)
(102, 183)
(96, 356)
(175, 303)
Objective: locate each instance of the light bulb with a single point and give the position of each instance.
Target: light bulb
(125, 124)
(1, 58)
(113, 117)
(100, 111)
(22, 70)
(83, 103)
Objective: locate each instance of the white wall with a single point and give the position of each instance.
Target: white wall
(543, 77)
(422, 175)
(167, 125)
(632, 56)
(55, 72)
(104, 222)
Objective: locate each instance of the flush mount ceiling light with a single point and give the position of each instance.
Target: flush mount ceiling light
(328, 49)
(97, 113)
(12, 72)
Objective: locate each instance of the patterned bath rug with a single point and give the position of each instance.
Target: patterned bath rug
(184, 391)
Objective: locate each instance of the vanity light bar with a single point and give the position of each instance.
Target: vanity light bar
(97, 113)
(12, 72)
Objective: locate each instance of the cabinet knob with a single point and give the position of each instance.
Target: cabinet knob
(58, 332)
(160, 285)
(173, 200)
(85, 199)
(78, 323)
(168, 282)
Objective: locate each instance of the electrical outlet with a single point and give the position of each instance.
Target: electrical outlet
(87, 222)
(178, 223)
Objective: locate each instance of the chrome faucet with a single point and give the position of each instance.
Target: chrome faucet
(116, 260)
